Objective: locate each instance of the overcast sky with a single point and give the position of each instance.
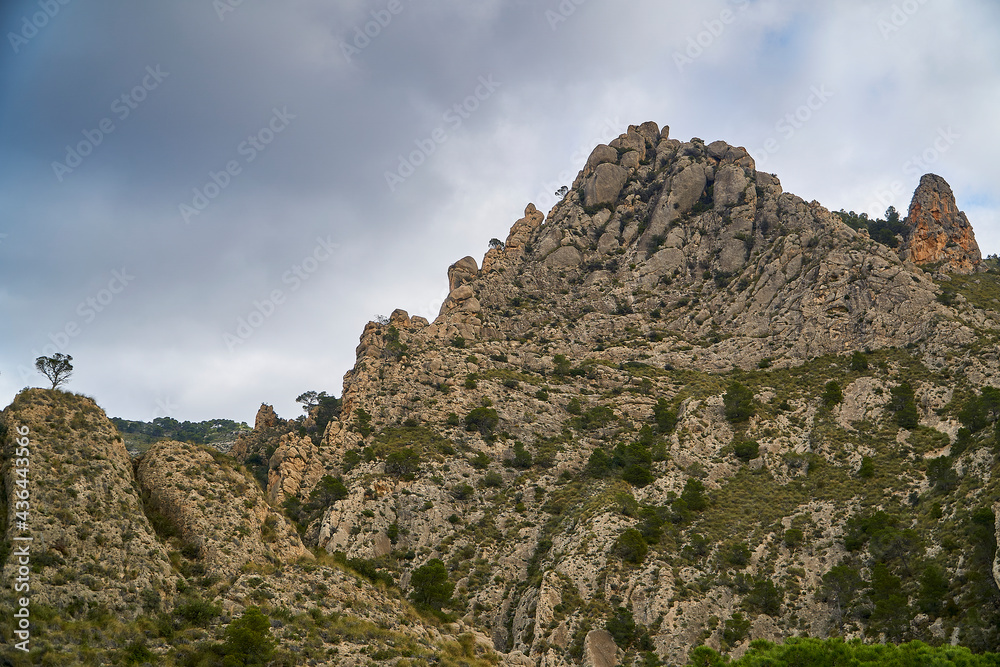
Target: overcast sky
(168, 169)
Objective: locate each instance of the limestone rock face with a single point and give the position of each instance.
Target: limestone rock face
(91, 540)
(600, 649)
(939, 232)
(266, 418)
(294, 469)
(604, 185)
(218, 512)
(461, 272)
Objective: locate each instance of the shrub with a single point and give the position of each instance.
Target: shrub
(621, 626)
(364, 422)
(403, 463)
(793, 538)
(452, 419)
(737, 554)
(482, 419)
(458, 341)
(470, 381)
(735, 629)
(631, 547)
(637, 475)
(462, 492)
(693, 495)
(738, 403)
(493, 479)
(666, 419)
(764, 598)
(522, 457)
(904, 406)
(832, 394)
(573, 406)
(746, 450)
(197, 612)
(560, 366)
(480, 461)
(248, 640)
(431, 588)
(867, 468)
(859, 362)
(599, 464)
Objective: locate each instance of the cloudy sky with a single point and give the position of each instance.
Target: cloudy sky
(204, 202)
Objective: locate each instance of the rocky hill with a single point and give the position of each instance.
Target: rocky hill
(683, 408)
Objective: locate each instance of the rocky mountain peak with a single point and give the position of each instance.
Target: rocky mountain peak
(939, 232)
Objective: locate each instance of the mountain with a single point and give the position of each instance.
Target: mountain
(683, 408)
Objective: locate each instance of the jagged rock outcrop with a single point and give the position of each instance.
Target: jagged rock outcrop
(939, 233)
(218, 512)
(91, 544)
(294, 469)
(693, 266)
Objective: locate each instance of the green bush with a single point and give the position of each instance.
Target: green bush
(493, 480)
(482, 419)
(745, 450)
(764, 598)
(364, 422)
(735, 630)
(431, 588)
(904, 406)
(197, 612)
(693, 495)
(630, 546)
(480, 461)
(867, 468)
(666, 418)
(738, 403)
(793, 537)
(599, 464)
(248, 640)
(859, 362)
(560, 366)
(522, 457)
(737, 554)
(807, 652)
(403, 463)
(574, 407)
(832, 394)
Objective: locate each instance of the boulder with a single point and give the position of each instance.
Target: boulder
(602, 154)
(463, 271)
(604, 185)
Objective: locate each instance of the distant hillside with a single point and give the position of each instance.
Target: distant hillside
(218, 433)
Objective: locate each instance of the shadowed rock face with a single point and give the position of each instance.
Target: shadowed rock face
(939, 231)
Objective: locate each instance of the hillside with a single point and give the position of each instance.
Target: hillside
(683, 408)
